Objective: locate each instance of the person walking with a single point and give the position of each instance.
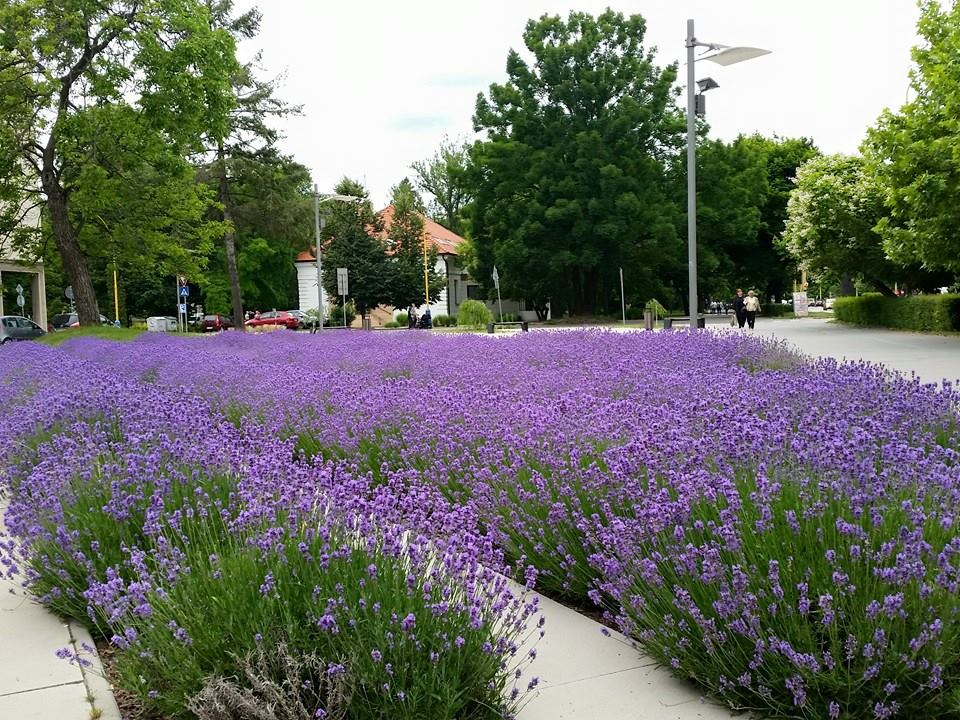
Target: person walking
(751, 306)
(738, 309)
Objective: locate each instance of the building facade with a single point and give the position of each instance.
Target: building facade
(15, 267)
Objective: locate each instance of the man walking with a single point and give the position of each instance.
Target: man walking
(739, 309)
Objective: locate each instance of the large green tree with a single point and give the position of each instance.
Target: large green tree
(831, 218)
(57, 60)
(445, 177)
(569, 183)
(405, 245)
(352, 239)
(914, 152)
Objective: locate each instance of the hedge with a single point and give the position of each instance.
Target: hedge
(936, 313)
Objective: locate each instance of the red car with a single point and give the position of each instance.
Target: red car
(286, 319)
(215, 323)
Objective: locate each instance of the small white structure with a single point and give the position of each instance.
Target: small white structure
(458, 285)
(12, 262)
(161, 324)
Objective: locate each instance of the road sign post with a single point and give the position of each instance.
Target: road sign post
(20, 301)
(343, 289)
(496, 282)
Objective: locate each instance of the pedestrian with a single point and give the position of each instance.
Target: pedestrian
(751, 306)
(738, 309)
(411, 317)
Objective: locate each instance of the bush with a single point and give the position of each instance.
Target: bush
(392, 324)
(474, 313)
(937, 313)
(775, 310)
(445, 321)
(510, 317)
(336, 315)
(634, 313)
(402, 319)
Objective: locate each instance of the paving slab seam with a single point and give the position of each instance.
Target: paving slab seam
(40, 689)
(547, 685)
(103, 705)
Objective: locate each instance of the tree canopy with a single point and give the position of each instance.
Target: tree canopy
(569, 183)
(405, 246)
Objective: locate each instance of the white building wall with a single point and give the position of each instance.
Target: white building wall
(307, 287)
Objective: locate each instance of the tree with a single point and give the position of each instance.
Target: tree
(831, 218)
(913, 153)
(244, 140)
(272, 219)
(570, 183)
(56, 60)
(445, 177)
(406, 240)
(352, 236)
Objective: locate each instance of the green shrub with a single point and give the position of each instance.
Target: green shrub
(444, 321)
(336, 314)
(392, 324)
(775, 310)
(474, 313)
(634, 313)
(402, 319)
(510, 317)
(937, 313)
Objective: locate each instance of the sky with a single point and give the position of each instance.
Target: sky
(382, 83)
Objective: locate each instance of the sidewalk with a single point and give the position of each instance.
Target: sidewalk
(34, 683)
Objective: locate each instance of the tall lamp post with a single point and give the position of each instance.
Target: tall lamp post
(318, 226)
(722, 55)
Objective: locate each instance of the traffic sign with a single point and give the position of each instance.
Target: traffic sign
(183, 308)
(20, 300)
(343, 286)
(19, 289)
(68, 292)
(185, 291)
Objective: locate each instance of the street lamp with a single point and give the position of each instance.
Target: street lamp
(722, 55)
(318, 224)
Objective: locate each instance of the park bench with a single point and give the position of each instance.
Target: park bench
(522, 324)
(669, 321)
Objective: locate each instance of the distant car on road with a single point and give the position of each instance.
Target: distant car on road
(828, 304)
(216, 322)
(14, 327)
(275, 318)
(62, 321)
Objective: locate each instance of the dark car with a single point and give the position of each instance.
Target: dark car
(216, 322)
(62, 321)
(14, 327)
(275, 318)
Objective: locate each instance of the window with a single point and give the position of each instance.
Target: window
(473, 293)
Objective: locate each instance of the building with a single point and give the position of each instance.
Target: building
(458, 285)
(16, 267)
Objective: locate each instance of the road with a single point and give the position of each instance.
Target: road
(933, 358)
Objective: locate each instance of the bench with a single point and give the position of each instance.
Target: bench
(523, 325)
(669, 321)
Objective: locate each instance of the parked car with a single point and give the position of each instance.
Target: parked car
(62, 321)
(14, 327)
(828, 304)
(216, 322)
(276, 318)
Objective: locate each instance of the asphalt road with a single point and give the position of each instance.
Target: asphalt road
(933, 358)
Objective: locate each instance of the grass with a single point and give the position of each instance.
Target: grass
(106, 332)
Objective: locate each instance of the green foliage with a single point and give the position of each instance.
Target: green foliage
(913, 152)
(406, 240)
(393, 324)
(772, 309)
(336, 315)
(569, 184)
(831, 220)
(473, 313)
(445, 177)
(402, 319)
(107, 332)
(445, 321)
(936, 313)
(353, 240)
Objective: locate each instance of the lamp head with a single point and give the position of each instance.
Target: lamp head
(708, 83)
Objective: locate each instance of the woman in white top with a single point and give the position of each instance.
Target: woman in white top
(752, 306)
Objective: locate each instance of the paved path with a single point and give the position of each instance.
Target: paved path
(932, 357)
(34, 683)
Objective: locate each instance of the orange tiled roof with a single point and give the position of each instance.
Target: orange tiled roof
(445, 241)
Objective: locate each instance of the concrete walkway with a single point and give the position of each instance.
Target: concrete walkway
(34, 683)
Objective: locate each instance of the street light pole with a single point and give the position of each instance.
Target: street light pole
(318, 227)
(722, 55)
(692, 175)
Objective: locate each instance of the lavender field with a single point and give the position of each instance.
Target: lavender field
(325, 524)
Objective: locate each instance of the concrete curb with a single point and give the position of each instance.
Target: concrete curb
(103, 706)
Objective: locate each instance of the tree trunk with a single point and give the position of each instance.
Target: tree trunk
(230, 243)
(846, 286)
(74, 261)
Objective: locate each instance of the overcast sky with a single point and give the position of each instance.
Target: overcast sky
(381, 82)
